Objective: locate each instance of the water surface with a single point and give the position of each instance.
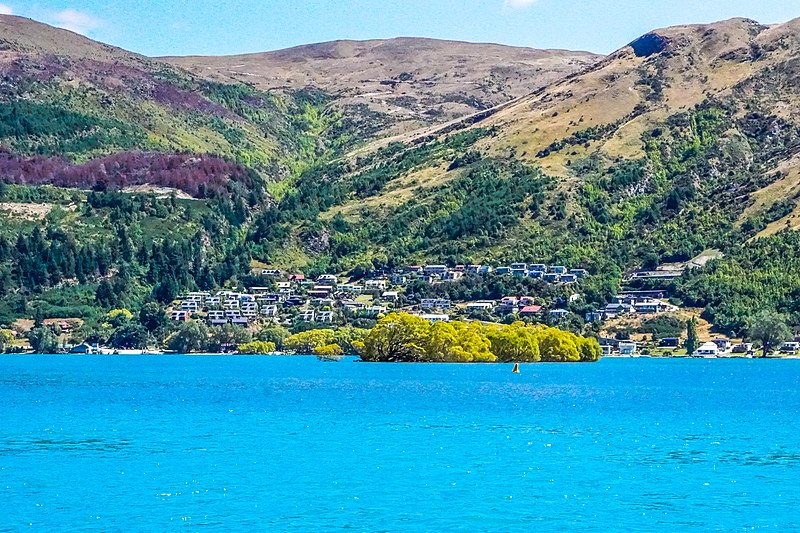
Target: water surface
(103, 443)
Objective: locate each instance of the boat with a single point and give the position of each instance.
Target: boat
(516, 368)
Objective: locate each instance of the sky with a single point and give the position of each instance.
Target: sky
(214, 27)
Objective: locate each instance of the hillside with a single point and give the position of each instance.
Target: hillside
(399, 84)
(682, 141)
(65, 95)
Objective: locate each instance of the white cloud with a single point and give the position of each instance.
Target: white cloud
(6, 10)
(519, 4)
(77, 21)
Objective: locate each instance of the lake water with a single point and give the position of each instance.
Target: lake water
(149, 443)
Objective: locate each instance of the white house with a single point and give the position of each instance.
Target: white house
(217, 318)
(325, 317)
(709, 349)
(435, 303)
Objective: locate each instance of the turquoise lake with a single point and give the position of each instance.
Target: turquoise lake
(161, 443)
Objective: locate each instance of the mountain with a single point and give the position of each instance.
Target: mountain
(67, 96)
(680, 149)
(402, 83)
(682, 142)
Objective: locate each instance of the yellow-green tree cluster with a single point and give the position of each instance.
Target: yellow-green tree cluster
(401, 337)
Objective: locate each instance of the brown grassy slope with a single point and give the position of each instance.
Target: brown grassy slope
(413, 81)
(749, 65)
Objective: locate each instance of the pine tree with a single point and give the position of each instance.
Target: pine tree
(691, 336)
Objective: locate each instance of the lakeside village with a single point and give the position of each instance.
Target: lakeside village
(293, 301)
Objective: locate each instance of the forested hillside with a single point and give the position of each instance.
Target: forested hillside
(125, 180)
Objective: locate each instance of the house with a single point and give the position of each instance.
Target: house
(327, 279)
(436, 269)
(535, 274)
(453, 275)
(294, 301)
(579, 273)
(568, 278)
(436, 318)
(790, 347)
(376, 285)
(502, 270)
(519, 272)
(270, 311)
(353, 306)
(530, 310)
(628, 348)
(708, 349)
(414, 269)
(519, 266)
(85, 348)
(351, 288)
(537, 268)
(669, 342)
(526, 300)
(552, 277)
(390, 296)
(653, 307)
(509, 304)
(474, 269)
(189, 306)
(270, 272)
(217, 318)
(558, 314)
(593, 316)
(320, 291)
(325, 317)
(306, 316)
(744, 347)
(284, 285)
(179, 316)
(561, 270)
(615, 310)
(606, 349)
(399, 279)
(298, 278)
(460, 268)
(213, 302)
(435, 303)
(478, 307)
(723, 344)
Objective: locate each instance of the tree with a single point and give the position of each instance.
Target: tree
(152, 316)
(129, 336)
(257, 348)
(770, 329)
(557, 345)
(691, 336)
(191, 337)
(105, 294)
(226, 336)
(307, 341)
(514, 343)
(43, 340)
(275, 334)
(118, 317)
(6, 338)
(329, 350)
(398, 337)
